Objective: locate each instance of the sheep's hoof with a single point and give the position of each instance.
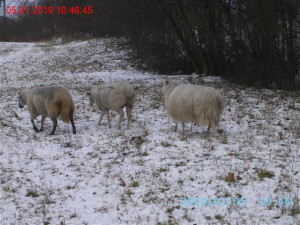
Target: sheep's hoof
(183, 138)
(52, 133)
(40, 130)
(36, 130)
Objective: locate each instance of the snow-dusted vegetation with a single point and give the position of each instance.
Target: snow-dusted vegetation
(143, 175)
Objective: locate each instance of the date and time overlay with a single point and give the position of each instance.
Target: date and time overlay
(38, 10)
(17, 8)
(238, 201)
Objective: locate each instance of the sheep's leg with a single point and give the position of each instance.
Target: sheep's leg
(42, 123)
(108, 119)
(215, 130)
(54, 120)
(101, 117)
(208, 130)
(34, 127)
(129, 114)
(182, 128)
(176, 125)
(121, 114)
(72, 122)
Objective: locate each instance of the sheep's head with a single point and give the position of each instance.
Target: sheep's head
(22, 100)
(166, 82)
(90, 97)
(168, 86)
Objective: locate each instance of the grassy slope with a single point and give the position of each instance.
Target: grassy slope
(105, 176)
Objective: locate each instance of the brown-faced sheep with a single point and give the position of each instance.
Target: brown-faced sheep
(53, 101)
(192, 103)
(114, 96)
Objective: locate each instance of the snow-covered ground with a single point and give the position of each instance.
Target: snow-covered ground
(141, 175)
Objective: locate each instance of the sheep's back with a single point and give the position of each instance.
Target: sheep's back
(115, 95)
(179, 104)
(49, 100)
(62, 100)
(124, 88)
(109, 98)
(191, 103)
(117, 98)
(208, 105)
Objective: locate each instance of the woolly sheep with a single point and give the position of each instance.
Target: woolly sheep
(113, 96)
(192, 103)
(52, 101)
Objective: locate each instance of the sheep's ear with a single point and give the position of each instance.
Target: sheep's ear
(88, 93)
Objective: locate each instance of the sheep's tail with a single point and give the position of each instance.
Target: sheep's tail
(221, 104)
(130, 97)
(67, 109)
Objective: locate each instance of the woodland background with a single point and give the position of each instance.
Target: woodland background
(250, 42)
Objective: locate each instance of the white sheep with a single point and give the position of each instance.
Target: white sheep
(192, 103)
(114, 96)
(52, 101)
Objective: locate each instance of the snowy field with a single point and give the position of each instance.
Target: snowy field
(142, 175)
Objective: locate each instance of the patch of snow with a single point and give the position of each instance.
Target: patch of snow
(139, 176)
